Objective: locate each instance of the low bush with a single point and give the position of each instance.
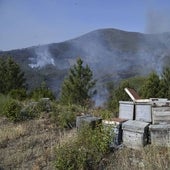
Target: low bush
(42, 92)
(16, 111)
(30, 111)
(3, 100)
(12, 110)
(103, 113)
(65, 115)
(69, 156)
(18, 94)
(85, 151)
(35, 109)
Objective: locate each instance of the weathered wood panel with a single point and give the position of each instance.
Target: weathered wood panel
(115, 125)
(135, 126)
(126, 110)
(88, 120)
(160, 103)
(160, 135)
(161, 115)
(135, 134)
(143, 112)
(133, 140)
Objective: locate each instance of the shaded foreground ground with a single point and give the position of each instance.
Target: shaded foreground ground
(29, 145)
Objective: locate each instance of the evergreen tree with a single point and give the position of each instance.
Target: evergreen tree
(165, 83)
(2, 76)
(11, 76)
(77, 87)
(117, 94)
(151, 87)
(42, 92)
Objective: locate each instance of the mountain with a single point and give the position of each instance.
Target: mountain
(112, 55)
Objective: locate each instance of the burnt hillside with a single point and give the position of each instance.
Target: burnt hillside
(112, 54)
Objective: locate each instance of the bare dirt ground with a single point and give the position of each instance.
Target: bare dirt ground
(30, 144)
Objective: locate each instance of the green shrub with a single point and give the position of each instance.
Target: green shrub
(35, 109)
(42, 92)
(65, 115)
(18, 94)
(85, 151)
(103, 113)
(3, 100)
(30, 111)
(44, 105)
(12, 110)
(68, 156)
(15, 111)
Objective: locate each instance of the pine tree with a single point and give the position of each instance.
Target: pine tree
(165, 83)
(2, 75)
(42, 92)
(11, 76)
(77, 87)
(151, 88)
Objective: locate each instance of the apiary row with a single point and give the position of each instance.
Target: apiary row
(148, 122)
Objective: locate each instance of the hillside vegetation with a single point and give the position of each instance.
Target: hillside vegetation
(112, 55)
(38, 131)
(32, 145)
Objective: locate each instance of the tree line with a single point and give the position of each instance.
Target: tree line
(76, 89)
(79, 86)
(151, 86)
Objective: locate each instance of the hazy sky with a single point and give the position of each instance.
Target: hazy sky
(25, 23)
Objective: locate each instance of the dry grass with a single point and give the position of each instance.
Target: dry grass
(30, 144)
(149, 158)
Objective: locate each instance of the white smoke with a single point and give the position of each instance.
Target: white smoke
(42, 58)
(157, 21)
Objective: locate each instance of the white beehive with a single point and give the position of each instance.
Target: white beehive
(160, 134)
(135, 134)
(143, 111)
(115, 125)
(126, 110)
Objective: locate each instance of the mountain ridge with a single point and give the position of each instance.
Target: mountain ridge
(112, 54)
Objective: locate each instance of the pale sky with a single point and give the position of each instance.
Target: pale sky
(25, 23)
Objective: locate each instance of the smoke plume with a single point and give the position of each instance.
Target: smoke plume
(157, 22)
(42, 58)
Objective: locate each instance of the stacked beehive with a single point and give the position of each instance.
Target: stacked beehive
(115, 126)
(148, 121)
(160, 127)
(90, 120)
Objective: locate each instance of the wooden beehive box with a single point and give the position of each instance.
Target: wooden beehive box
(160, 134)
(115, 125)
(143, 111)
(152, 110)
(160, 114)
(90, 120)
(126, 110)
(159, 102)
(135, 134)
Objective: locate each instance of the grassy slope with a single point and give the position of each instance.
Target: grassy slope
(29, 145)
(111, 53)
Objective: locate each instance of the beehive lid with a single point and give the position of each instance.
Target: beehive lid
(135, 126)
(132, 94)
(160, 127)
(114, 121)
(88, 118)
